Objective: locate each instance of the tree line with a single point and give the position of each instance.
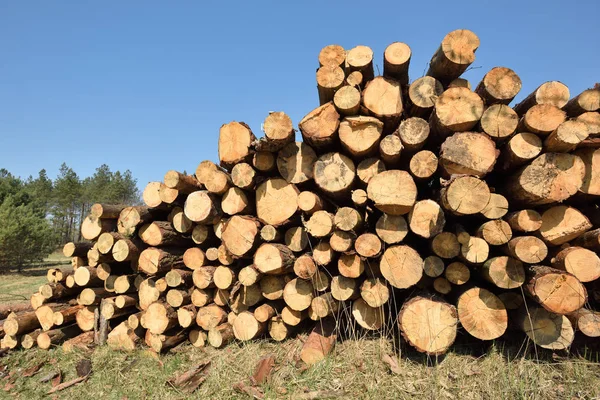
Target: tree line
(38, 214)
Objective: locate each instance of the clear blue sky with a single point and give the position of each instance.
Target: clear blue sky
(145, 85)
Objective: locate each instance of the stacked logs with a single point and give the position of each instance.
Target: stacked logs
(427, 205)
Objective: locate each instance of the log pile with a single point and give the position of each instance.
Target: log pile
(425, 205)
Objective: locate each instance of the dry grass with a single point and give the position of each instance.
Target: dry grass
(355, 370)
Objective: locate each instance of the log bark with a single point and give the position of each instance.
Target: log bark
(499, 86)
(161, 343)
(56, 336)
(183, 183)
(155, 261)
(584, 264)
(422, 95)
(329, 79)
(553, 92)
(589, 240)
(80, 249)
(586, 101)
(235, 139)
(382, 98)
(21, 324)
(319, 127)
(454, 55)
(396, 60)
(561, 224)
(320, 342)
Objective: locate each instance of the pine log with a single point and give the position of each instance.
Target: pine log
(360, 136)
(579, 261)
(520, 149)
(178, 277)
(86, 318)
(402, 266)
(456, 110)
(482, 314)
(298, 294)
(107, 240)
(445, 245)
(319, 127)
(202, 297)
(320, 342)
(528, 249)
(320, 281)
(159, 317)
(309, 202)
(351, 265)
(360, 58)
(454, 55)
(359, 198)
(368, 168)
(305, 267)
(151, 195)
(77, 262)
(235, 139)
(56, 336)
(355, 79)
(92, 227)
(423, 165)
(442, 285)
(586, 321)
(21, 324)
(279, 330)
(273, 259)
(499, 86)
(555, 290)
(393, 192)
(86, 276)
(382, 98)
(224, 277)
(323, 306)
(457, 273)
(246, 327)
(163, 342)
(320, 224)
(495, 232)
(204, 277)
(241, 235)
(592, 121)
(203, 208)
(243, 176)
(475, 251)
(76, 249)
(542, 119)
(374, 292)
(422, 95)
(276, 201)
(329, 79)
(264, 161)
(428, 324)
(170, 196)
(249, 275)
(552, 92)
(295, 162)
(499, 122)
(460, 82)
(181, 223)
(390, 150)
(278, 127)
(396, 60)
(194, 257)
(465, 195)
(368, 245)
(511, 300)
(221, 335)
(566, 137)
(271, 287)
(561, 224)
(56, 291)
(178, 297)
(292, 317)
(30, 339)
(181, 182)
(334, 174)
(589, 240)
(343, 288)
(186, 315)
(586, 101)
(332, 54)
(546, 329)
(433, 266)
(342, 241)
(269, 233)
(591, 179)
(496, 208)
(413, 133)
(198, 337)
(161, 233)
(131, 218)
(524, 220)
(426, 219)
(155, 261)
(347, 99)
(92, 296)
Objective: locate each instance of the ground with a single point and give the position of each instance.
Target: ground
(359, 368)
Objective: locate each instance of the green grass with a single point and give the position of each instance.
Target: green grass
(355, 369)
(17, 287)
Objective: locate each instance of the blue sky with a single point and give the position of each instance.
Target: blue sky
(145, 85)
